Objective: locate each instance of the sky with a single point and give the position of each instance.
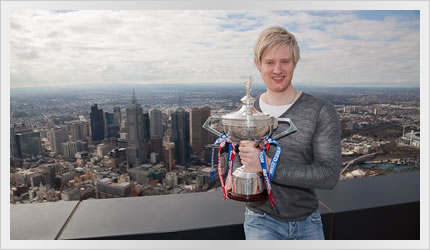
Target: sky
(338, 48)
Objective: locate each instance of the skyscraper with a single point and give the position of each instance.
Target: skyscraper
(146, 124)
(111, 129)
(97, 123)
(58, 135)
(117, 115)
(28, 144)
(69, 149)
(169, 155)
(156, 146)
(181, 135)
(79, 130)
(199, 137)
(137, 145)
(156, 126)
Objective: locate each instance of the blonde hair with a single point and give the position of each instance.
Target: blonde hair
(275, 36)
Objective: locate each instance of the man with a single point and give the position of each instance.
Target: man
(310, 158)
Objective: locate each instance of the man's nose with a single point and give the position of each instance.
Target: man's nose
(277, 68)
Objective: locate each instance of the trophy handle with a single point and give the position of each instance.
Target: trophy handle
(209, 128)
(290, 130)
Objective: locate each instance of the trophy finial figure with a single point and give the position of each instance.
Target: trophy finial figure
(248, 85)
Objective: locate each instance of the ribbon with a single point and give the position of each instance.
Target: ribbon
(217, 141)
(231, 155)
(268, 173)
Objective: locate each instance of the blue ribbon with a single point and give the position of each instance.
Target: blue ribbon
(269, 173)
(230, 148)
(217, 141)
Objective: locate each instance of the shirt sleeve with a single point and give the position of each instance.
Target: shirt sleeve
(324, 171)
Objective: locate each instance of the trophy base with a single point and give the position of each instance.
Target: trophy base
(247, 198)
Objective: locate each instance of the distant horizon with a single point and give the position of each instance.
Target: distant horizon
(202, 85)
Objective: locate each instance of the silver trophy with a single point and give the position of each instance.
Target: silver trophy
(248, 124)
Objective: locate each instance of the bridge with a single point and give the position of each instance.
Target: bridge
(357, 160)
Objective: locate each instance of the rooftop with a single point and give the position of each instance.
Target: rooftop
(357, 209)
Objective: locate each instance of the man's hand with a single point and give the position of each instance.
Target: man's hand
(248, 153)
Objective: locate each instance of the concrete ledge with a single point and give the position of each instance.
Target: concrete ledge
(380, 207)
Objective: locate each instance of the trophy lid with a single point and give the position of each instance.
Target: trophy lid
(247, 115)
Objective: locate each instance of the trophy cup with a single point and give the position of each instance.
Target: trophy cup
(248, 124)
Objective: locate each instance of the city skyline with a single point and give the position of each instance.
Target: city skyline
(347, 48)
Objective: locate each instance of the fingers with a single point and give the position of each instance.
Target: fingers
(248, 144)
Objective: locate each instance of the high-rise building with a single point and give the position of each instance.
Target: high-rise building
(69, 149)
(169, 155)
(13, 149)
(199, 137)
(111, 129)
(181, 135)
(146, 124)
(79, 130)
(97, 123)
(82, 145)
(156, 125)
(156, 146)
(28, 144)
(117, 115)
(137, 151)
(58, 135)
(15, 129)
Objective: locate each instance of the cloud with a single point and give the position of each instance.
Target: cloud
(163, 46)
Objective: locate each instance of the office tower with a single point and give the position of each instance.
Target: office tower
(75, 131)
(146, 124)
(97, 123)
(15, 129)
(84, 128)
(169, 155)
(117, 116)
(82, 145)
(156, 146)
(199, 137)
(156, 124)
(137, 145)
(58, 135)
(13, 149)
(111, 129)
(181, 135)
(28, 144)
(69, 149)
(79, 130)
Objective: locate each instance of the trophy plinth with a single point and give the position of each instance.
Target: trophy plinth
(248, 124)
(247, 186)
(247, 198)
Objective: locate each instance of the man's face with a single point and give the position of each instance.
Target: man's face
(277, 68)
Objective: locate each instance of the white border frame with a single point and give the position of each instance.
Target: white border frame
(423, 6)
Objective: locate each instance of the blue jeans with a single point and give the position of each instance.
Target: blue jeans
(260, 226)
